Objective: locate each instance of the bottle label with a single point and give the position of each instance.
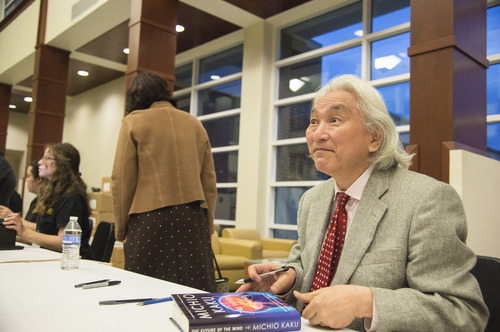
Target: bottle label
(72, 239)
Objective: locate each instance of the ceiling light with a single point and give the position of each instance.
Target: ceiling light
(28, 99)
(358, 33)
(296, 84)
(388, 62)
(12, 106)
(83, 73)
(126, 50)
(179, 28)
(214, 77)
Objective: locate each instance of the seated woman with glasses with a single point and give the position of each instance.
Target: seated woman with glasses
(63, 194)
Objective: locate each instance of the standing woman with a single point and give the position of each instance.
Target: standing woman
(164, 188)
(63, 194)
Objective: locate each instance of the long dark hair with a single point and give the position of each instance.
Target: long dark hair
(66, 177)
(34, 169)
(145, 89)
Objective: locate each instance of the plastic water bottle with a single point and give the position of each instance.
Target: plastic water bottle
(71, 245)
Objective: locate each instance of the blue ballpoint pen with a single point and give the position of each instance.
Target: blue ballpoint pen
(163, 299)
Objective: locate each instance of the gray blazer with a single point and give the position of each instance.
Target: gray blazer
(407, 243)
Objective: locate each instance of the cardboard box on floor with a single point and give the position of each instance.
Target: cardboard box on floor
(118, 257)
(106, 184)
(101, 202)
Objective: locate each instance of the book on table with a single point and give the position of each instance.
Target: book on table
(229, 312)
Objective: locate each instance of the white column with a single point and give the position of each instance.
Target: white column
(253, 161)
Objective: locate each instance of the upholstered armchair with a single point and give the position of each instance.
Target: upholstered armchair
(231, 255)
(271, 248)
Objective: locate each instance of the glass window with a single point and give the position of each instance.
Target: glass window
(10, 5)
(221, 64)
(183, 77)
(226, 166)
(493, 89)
(306, 77)
(225, 208)
(331, 28)
(493, 133)
(285, 234)
(223, 131)
(397, 99)
(293, 120)
(293, 163)
(389, 56)
(219, 98)
(286, 204)
(404, 138)
(389, 13)
(184, 102)
(493, 31)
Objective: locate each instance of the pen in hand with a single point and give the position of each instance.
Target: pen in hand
(270, 273)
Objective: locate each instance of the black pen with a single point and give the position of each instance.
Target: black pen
(90, 283)
(270, 273)
(110, 302)
(101, 284)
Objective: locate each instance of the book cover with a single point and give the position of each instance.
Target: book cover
(228, 312)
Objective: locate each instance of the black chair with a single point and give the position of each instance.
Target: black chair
(103, 242)
(487, 273)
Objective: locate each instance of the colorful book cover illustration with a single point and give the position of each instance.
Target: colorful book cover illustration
(229, 312)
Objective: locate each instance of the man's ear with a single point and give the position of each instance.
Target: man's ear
(376, 141)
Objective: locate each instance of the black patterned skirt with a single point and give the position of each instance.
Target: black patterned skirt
(173, 244)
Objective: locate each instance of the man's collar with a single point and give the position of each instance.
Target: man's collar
(356, 189)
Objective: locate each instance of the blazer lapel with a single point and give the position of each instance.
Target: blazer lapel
(319, 215)
(368, 214)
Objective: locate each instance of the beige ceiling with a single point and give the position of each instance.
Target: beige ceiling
(109, 44)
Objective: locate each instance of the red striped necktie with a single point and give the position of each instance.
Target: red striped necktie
(332, 247)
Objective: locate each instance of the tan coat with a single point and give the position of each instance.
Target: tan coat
(163, 158)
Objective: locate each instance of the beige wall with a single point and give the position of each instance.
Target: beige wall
(477, 180)
(92, 124)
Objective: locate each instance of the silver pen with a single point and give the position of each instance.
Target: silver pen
(267, 274)
(101, 284)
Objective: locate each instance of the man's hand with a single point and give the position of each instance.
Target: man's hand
(277, 284)
(337, 306)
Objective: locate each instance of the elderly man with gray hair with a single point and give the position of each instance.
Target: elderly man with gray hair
(380, 247)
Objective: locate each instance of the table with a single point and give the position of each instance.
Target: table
(28, 253)
(39, 296)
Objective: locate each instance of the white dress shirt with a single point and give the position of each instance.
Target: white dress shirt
(355, 191)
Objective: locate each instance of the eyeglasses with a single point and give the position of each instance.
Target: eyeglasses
(45, 158)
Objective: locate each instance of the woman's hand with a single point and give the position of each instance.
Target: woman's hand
(4, 211)
(14, 221)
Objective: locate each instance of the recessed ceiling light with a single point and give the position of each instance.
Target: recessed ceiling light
(126, 50)
(28, 99)
(295, 84)
(83, 73)
(179, 28)
(214, 77)
(12, 106)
